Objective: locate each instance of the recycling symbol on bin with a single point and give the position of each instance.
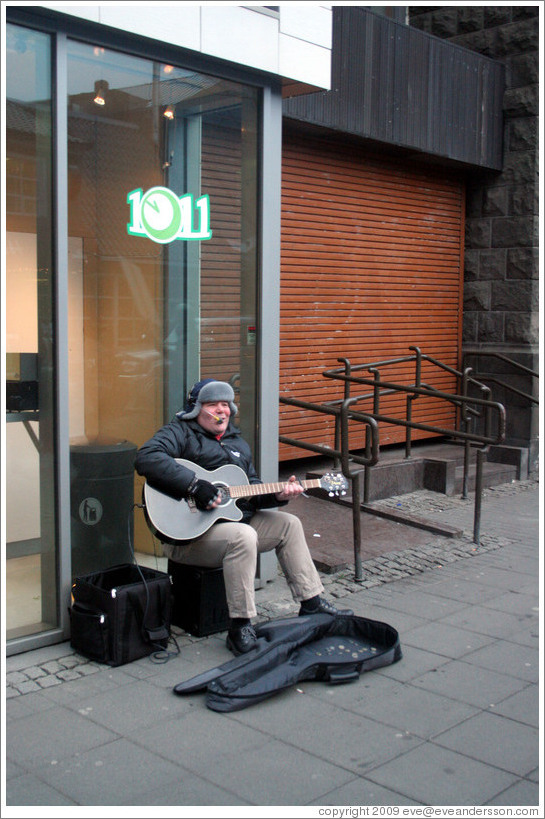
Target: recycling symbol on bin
(90, 511)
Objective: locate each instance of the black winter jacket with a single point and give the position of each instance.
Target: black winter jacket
(187, 439)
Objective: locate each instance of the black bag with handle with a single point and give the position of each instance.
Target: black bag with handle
(120, 614)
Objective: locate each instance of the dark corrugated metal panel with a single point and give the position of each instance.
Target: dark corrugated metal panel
(371, 263)
(398, 85)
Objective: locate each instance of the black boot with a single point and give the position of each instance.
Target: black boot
(241, 636)
(317, 605)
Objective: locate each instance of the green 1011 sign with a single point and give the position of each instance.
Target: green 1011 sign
(164, 217)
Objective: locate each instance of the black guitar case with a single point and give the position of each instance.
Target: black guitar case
(315, 647)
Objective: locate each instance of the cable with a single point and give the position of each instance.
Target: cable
(161, 653)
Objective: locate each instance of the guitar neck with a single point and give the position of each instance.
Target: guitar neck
(253, 489)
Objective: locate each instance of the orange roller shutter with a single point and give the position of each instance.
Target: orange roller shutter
(372, 262)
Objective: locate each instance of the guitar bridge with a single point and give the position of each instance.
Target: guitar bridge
(192, 505)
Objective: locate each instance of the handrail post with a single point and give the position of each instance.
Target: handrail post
(355, 477)
(376, 390)
(411, 398)
(356, 502)
(409, 415)
(366, 469)
(347, 371)
(346, 393)
(467, 451)
(418, 362)
(337, 441)
(376, 407)
(356, 527)
(337, 422)
(485, 393)
(465, 421)
(478, 497)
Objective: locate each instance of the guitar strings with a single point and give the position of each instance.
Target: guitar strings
(251, 489)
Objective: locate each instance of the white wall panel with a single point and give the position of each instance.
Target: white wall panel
(307, 22)
(296, 44)
(175, 23)
(304, 62)
(241, 36)
(85, 12)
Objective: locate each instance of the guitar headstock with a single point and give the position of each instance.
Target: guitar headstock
(334, 483)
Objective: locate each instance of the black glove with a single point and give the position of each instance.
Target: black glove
(203, 492)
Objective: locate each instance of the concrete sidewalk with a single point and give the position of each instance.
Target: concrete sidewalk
(455, 722)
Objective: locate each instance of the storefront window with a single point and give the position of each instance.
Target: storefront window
(161, 285)
(31, 549)
(162, 187)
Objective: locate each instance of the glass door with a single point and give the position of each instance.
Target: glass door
(31, 549)
(162, 181)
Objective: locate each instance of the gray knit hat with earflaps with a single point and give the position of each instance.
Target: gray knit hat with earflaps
(206, 391)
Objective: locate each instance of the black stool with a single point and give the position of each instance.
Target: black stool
(199, 605)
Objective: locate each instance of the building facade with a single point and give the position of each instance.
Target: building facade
(375, 219)
(501, 269)
(246, 193)
(142, 220)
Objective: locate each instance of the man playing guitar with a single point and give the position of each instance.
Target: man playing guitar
(204, 435)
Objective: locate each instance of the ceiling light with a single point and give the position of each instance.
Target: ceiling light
(101, 87)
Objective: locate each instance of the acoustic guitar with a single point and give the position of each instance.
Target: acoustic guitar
(175, 521)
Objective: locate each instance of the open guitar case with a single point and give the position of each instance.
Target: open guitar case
(314, 647)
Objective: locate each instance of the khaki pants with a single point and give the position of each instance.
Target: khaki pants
(235, 546)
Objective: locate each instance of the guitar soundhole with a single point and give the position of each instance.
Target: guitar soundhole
(224, 493)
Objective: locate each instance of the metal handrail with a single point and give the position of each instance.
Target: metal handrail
(464, 377)
(519, 368)
(433, 393)
(469, 407)
(343, 410)
(343, 413)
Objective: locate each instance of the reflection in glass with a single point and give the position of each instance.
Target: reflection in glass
(149, 317)
(31, 582)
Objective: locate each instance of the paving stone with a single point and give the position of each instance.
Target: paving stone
(52, 667)
(16, 677)
(69, 674)
(87, 669)
(29, 790)
(27, 687)
(47, 682)
(34, 672)
(70, 661)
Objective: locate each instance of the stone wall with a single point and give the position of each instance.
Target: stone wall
(501, 258)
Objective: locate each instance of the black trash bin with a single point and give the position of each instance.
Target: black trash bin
(101, 505)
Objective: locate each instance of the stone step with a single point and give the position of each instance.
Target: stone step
(494, 474)
(440, 470)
